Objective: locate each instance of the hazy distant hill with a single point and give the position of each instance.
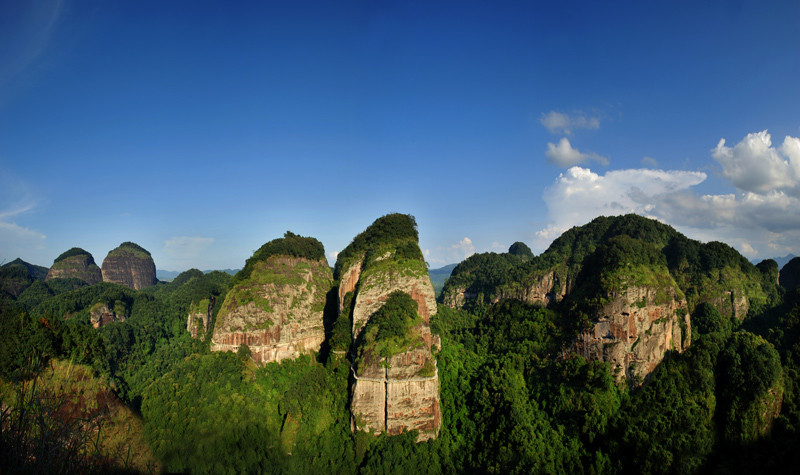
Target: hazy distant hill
(438, 276)
(168, 275)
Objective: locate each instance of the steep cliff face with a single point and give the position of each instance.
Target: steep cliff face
(705, 272)
(199, 321)
(635, 329)
(277, 308)
(75, 263)
(789, 277)
(129, 265)
(395, 379)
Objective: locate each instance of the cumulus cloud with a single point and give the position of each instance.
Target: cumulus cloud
(754, 165)
(561, 123)
(563, 155)
(579, 195)
(449, 254)
(187, 248)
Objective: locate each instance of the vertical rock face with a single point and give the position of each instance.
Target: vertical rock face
(276, 303)
(75, 263)
(635, 329)
(395, 379)
(199, 321)
(129, 265)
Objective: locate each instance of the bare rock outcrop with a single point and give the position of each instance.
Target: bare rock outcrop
(129, 265)
(276, 310)
(75, 263)
(101, 315)
(635, 329)
(199, 321)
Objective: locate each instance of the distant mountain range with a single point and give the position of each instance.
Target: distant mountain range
(780, 260)
(438, 276)
(168, 275)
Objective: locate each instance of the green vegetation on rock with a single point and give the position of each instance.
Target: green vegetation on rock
(75, 251)
(398, 231)
(129, 248)
(290, 245)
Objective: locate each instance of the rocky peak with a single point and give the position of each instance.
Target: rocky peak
(129, 265)
(276, 303)
(75, 263)
(396, 384)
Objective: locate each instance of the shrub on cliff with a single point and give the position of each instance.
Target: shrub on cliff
(75, 251)
(290, 244)
(392, 228)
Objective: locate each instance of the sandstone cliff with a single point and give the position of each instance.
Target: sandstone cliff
(395, 379)
(200, 317)
(129, 265)
(276, 303)
(75, 263)
(635, 329)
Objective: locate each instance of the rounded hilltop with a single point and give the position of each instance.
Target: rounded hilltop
(130, 265)
(75, 263)
(276, 302)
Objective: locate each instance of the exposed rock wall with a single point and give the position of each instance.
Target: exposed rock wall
(131, 267)
(277, 311)
(635, 330)
(100, 315)
(400, 393)
(375, 288)
(200, 317)
(80, 267)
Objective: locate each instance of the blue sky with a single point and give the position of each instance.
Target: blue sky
(201, 131)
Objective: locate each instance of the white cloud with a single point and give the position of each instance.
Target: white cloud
(449, 254)
(558, 122)
(754, 165)
(565, 156)
(18, 241)
(649, 162)
(16, 200)
(333, 255)
(186, 248)
(579, 195)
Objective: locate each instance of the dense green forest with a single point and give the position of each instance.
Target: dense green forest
(514, 397)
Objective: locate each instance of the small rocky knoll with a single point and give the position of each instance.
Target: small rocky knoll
(276, 303)
(129, 265)
(100, 314)
(75, 263)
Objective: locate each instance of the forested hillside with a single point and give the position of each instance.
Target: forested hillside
(536, 370)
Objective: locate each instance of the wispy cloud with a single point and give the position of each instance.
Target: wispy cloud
(563, 155)
(16, 200)
(187, 248)
(562, 123)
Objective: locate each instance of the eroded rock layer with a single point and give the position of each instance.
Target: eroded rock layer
(277, 311)
(81, 266)
(635, 330)
(131, 266)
